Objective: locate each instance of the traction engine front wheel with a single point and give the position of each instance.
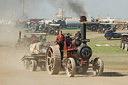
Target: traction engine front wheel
(98, 67)
(70, 67)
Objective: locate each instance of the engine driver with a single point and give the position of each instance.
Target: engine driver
(60, 40)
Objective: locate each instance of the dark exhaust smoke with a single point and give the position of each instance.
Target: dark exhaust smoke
(74, 5)
(14, 7)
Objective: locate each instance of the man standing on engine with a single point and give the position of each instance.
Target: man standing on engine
(60, 40)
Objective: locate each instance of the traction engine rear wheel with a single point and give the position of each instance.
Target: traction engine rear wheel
(98, 67)
(53, 60)
(33, 65)
(70, 67)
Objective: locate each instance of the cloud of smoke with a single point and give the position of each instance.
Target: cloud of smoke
(74, 5)
(36, 8)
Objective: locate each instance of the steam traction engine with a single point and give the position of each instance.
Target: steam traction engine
(76, 56)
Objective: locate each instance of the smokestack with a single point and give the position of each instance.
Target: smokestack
(83, 21)
(19, 36)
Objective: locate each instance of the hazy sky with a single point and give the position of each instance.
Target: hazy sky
(48, 8)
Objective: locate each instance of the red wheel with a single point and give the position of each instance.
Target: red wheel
(19, 45)
(120, 27)
(108, 38)
(100, 31)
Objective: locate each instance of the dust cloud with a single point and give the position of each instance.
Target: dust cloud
(9, 35)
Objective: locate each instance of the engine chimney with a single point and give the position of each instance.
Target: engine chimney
(83, 21)
(19, 36)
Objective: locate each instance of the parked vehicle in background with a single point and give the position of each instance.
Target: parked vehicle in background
(124, 41)
(106, 26)
(93, 26)
(110, 34)
(53, 29)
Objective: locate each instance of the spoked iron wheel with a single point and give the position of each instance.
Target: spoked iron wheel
(51, 32)
(33, 65)
(100, 31)
(108, 38)
(70, 67)
(98, 67)
(94, 28)
(19, 45)
(53, 60)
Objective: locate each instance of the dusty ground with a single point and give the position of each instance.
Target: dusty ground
(13, 73)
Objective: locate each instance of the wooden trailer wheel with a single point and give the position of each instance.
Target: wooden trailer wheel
(33, 65)
(26, 64)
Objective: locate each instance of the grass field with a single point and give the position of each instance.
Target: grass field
(113, 56)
